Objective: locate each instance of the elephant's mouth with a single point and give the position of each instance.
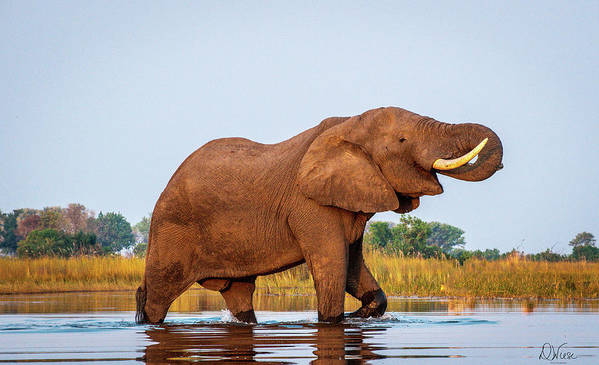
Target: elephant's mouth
(406, 203)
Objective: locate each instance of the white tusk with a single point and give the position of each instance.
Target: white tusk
(442, 164)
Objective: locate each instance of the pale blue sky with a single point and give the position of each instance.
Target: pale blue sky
(101, 101)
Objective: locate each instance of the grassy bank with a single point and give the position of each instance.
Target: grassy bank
(511, 277)
(75, 274)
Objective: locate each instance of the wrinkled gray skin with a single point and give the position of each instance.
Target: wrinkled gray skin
(236, 209)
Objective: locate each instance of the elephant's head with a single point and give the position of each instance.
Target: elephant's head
(386, 158)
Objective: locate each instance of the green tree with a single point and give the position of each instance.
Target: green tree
(50, 242)
(142, 229)
(583, 239)
(487, 254)
(461, 255)
(380, 234)
(445, 236)
(547, 255)
(45, 242)
(84, 244)
(410, 237)
(585, 252)
(9, 236)
(113, 232)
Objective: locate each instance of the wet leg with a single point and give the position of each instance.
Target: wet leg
(169, 272)
(362, 285)
(160, 297)
(322, 241)
(238, 296)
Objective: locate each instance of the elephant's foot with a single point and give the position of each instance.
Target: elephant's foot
(330, 319)
(238, 296)
(374, 304)
(149, 311)
(246, 316)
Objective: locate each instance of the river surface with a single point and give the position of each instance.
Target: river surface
(99, 328)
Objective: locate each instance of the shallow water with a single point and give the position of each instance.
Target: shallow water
(100, 327)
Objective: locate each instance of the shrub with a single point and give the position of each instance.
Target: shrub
(588, 253)
(50, 242)
(45, 242)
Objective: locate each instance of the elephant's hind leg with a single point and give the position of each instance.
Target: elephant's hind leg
(238, 296)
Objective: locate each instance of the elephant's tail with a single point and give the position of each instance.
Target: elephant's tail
(140, 299)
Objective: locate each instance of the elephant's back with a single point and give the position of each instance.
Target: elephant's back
(238, 175)
(226, 166)
(224, 175)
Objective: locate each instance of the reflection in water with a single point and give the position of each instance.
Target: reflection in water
(418, 329)
(528, 306)
(329, 344)
(198, 300)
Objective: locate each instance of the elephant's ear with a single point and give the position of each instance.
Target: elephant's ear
(339, 173)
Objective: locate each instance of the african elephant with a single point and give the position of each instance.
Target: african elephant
(236, 209)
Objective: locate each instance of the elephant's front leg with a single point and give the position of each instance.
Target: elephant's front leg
(323, 244)
(328, 266)
(362, 285)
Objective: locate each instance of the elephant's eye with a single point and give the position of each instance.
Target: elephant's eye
(402, 139)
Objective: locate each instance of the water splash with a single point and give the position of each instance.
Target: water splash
(228, 317)
(396, 319)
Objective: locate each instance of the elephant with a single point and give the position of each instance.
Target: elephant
(237, 209)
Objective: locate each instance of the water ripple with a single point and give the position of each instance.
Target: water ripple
(77, 324)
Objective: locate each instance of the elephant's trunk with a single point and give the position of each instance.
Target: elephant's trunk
(464, 138)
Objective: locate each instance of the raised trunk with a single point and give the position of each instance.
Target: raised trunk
(462, 138)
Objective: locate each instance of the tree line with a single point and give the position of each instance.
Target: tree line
(415, 237)
(71, 231)
(77, 231)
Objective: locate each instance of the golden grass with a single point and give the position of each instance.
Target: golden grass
(509, 278)
(513, 277)
(73, 274)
